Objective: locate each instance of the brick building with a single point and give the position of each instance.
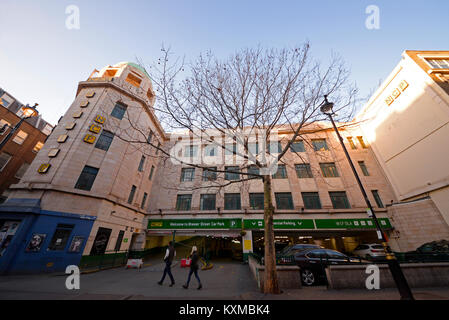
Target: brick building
(17, 155)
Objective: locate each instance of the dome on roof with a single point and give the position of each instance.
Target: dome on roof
(132, 64)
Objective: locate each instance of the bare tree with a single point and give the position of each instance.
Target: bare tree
(232, 103)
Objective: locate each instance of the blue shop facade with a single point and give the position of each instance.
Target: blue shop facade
(33, 240)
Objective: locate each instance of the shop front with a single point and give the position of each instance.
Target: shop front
(33, 240)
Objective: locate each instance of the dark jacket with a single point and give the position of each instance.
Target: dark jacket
(171, 254)
(194, 264)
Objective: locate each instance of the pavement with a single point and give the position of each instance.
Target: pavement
(227, 280)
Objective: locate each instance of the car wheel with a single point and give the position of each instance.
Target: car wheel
(307, 277)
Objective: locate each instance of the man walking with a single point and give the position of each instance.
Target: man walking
(170, 254)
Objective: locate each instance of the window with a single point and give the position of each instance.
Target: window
(151, 172)
(311, 200)
(134, 80)
(144, 200)
(104, 140)
(209, 175)
(377, 198)
(86, 178)
(158, 147)
(439, 63)
(284, 200)
(336, 255)
(118, 111)
(190, 151)
(364, 168)
(351, 143)
(256, 201)
(4, 124)
(150, 136)
(232, 201)
(303, 171)
(20, 137)
(297, 146)
(187, 174)
(207, 202)
(183, 202)
(254, 169)
(339, 200)
(60, 237)
(210, 151)
(4, 159)
(38, 147)
(4, 101)
(118, 244)
(275, 147)
(362, 143)
(141, 164)
(131, 194)
(329, 169)
(281, 173)
(253, 148)
(23, 168)
(319, 145)
(230, 175)
(230, 149)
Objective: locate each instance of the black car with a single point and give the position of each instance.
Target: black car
(313, 262)
(436, 251)
(286, 255)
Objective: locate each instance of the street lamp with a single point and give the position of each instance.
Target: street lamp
(393, 264)
(28, 112)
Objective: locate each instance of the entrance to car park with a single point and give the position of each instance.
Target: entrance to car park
(342, 241)
(210, 246)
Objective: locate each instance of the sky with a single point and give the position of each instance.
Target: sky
(41, 60)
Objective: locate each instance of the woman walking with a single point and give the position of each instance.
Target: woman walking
(193, 268)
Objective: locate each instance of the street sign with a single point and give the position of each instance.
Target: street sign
(351, 223)
(280, 224)
(195, 224)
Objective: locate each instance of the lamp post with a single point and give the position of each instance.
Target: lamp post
(28, 112)
(393, 264)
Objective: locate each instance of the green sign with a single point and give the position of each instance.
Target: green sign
(280, 224)
(173, 224)
(351, 223)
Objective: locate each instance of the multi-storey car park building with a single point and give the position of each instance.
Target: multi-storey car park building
(98, 186)
(315, 194)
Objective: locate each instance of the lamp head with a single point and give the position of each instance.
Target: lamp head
(327, 107)
(30, 111)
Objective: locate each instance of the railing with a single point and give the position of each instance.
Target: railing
(110, 259)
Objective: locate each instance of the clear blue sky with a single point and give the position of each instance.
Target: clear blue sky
(42, 61)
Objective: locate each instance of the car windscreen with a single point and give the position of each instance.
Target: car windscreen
(377, 246)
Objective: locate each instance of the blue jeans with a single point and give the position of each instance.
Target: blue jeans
(195, 271)
(167, 270)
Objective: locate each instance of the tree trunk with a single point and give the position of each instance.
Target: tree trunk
(271, 280)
